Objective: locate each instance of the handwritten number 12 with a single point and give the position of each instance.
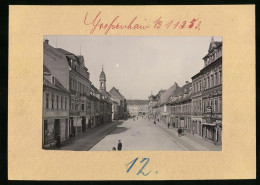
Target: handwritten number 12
(141, 170)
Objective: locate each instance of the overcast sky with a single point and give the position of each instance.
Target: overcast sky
(138, 65)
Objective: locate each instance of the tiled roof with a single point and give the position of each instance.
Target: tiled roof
(179, 95)
(137, 102)
(165, 95)
(57, 86)
(45, 69)
(64, 51)
(114, 92)
(95, 89)
(105, 93)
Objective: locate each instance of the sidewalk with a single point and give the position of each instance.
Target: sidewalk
(188, 142)
(86, 140)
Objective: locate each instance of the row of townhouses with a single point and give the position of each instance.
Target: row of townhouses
(196, 107)
(71, 103)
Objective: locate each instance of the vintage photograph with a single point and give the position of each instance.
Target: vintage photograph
(129, 93)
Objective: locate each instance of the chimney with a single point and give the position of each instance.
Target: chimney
(46, 41)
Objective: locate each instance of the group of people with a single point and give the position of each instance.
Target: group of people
(119, 146)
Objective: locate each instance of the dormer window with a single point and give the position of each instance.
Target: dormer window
(53, 80)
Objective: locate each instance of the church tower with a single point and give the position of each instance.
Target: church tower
(102, 81)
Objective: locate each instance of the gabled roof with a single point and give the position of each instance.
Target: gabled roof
(137, 102)
(105, 93)
(165, 96)
(57, 86)
(115, 93)
(64, 51)
(181, 94)
(94, 88)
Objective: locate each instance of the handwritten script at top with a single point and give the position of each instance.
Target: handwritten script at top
(97, 23)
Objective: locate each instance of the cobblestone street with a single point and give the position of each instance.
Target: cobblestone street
(143, 134)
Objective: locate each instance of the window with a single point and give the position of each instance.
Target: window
(212, 80)
(200, 86)
(47, 101)
(71, 83)
(216, 78)
(61, 101)
(220, 77)
(82, 106)
(208, 83)
(57, 101)
(216, 105)
(65, 104)
(52, 101)
(220, 105)
(52, 80)
(199, 105)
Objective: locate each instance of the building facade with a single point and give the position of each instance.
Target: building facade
(121, 101)
(137, 107)
(180, 102)
(71, 72)
(212, 93)
(55, 110)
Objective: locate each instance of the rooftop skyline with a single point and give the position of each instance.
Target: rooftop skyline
(138, 65)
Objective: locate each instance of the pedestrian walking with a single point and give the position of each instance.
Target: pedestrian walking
(119, 145)
(168, 125)
(58, 141)
(154, 122)
(179, 132)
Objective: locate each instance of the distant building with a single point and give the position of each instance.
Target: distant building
(137, 107)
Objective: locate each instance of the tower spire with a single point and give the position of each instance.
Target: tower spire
(102, 80)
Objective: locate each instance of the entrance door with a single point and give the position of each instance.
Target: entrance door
(45, 131)
(56, 128)
(66, 129)
(83, 124)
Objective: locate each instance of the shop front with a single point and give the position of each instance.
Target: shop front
(212, 127)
